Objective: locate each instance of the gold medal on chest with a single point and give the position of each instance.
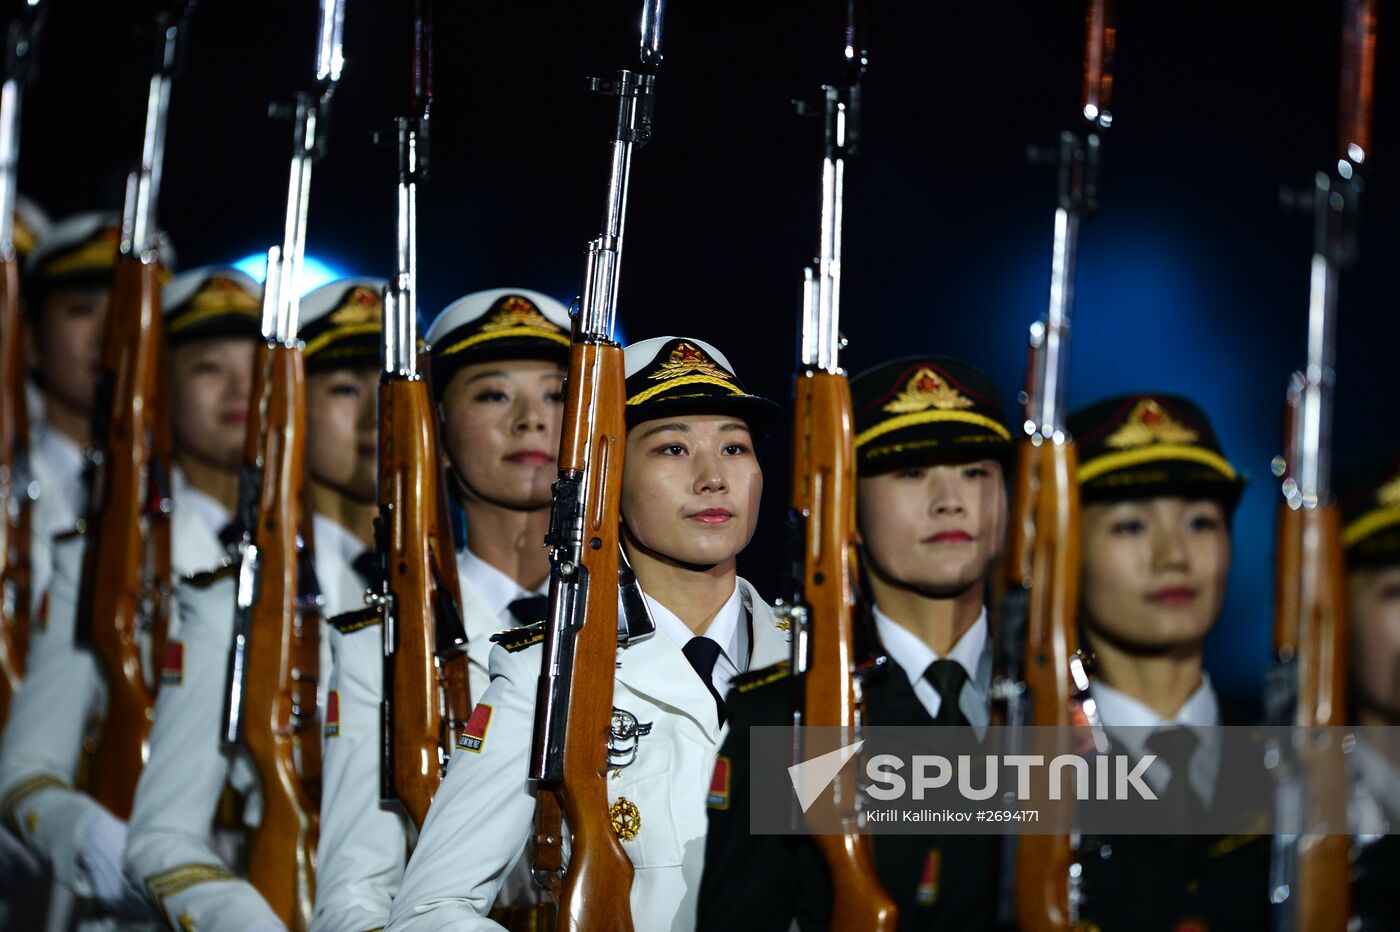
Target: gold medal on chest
(626, 818)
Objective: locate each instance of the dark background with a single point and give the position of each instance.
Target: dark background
(1191, 278)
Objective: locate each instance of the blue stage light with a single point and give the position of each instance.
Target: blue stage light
(314, 272)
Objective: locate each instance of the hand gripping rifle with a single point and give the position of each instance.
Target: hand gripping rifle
(1044, 681)
(822, 605)
(17, 488)
(270, 703)
(1308, 684)
(573, 714)
(426, 697)
(126, 561)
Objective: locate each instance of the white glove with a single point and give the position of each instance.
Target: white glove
(101, 840)
(266, 925)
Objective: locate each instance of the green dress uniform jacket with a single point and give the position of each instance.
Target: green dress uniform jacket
(1201, 883)
(766, 882)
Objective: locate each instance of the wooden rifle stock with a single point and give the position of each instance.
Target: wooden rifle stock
(1310, 632)
(1310, 552)
(823, 492)
(15, 504)
(597, 887)
(1310, 624)
(280, 721)
(422, 699)
(126, 562)
(1043, 558)
(16, 476)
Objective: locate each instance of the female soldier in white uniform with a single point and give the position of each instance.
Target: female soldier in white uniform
(211, 370)
(498, 360)
(169, 853)
(690, 493)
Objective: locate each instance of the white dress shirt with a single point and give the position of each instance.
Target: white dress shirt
(337, 539)
(724, 629)
(972, 651)
(64, 460)
(497, 590)
(211, 512)
(1130, 723)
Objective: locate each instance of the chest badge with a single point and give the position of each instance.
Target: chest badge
(626, 818)
(624, 737)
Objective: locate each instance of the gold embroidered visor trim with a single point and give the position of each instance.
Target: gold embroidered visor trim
(929, 417)
(339, 333)
(95, 256)
(650, 393)
(183, 321)
(1368, 524)
(532, 332)
(1096, 467)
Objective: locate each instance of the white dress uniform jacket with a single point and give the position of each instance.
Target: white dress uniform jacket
(64, 689)
(482, 816)
(363, 846)
(57, 465)
(169, 851)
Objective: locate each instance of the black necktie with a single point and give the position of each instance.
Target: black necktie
(369, 568)
(948, 679)
(529, 609)
(702, 654)
(231, 533)
(1174, 746)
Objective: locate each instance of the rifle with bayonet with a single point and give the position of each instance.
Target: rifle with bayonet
(17, 488)
(1311, 873)
(126, 587)
(1044, 681)
(426, 699)
(821, 606)
(270, 704)
(573, 713)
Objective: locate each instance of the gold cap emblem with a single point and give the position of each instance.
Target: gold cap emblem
(1147, 424)
(25, 237)
(927, 389)
(99, 251)
(626, 818)
(687, 359)
(516, 311)
(361, 306)
(222, 295)
(1389, 494)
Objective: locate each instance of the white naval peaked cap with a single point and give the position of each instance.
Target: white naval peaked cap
(342, 322)
(84, 247)
(72, 235)
(501, 323)
(213, 300)
(473, 307)
(31, 225)
(682, 375)
(644, 352)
